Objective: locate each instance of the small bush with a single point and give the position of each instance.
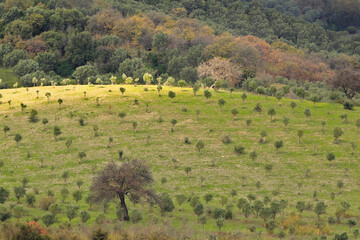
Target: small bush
(239, 149)
(228, 214)
(348, 105)
(226, 139)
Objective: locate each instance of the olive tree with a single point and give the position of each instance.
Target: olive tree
(182, 83)
(320, 209)
(159, 88)
(300, 133)
(60, 101)
(6, 129)
(196, 88)
(234, 112)
(271, 112)
(4, 195)
(243, 96)
(207, 94)
(221, 103)
(172, 95)
(57, 132)
(173, 123)
(200, 145)
(17, 139)
(307, 113)
(337, 133)
(48, 95)
(293, 105)
(286, 121)
(278, 145)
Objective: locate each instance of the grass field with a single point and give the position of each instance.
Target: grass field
(43, 160)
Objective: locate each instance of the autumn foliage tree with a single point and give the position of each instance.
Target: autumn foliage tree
(221, 69)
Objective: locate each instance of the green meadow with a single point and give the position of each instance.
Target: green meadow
(298, 168)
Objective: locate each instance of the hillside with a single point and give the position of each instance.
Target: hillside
(299, 171)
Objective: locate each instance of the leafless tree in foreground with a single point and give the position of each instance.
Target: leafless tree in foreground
(129, 178)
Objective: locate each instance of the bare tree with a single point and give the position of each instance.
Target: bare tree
(130, 178)
(348, 80)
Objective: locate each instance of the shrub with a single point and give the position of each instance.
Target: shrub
(159, 88)
(48, 219)
(199, 209)
(4, 195)
(200, 145)
(33, 116)
(248, 122)
(57, 132)
(278, 145)
(180, 198)
(218, 213)
(71, 212)
(171, 95)
(45, 121)
(166, 204)
(134, 125)
(234, 112)
(330, 156)
(239, 149)
(19, 211)
(81, 122)
(6, 129)
(307, 113)
(85, 216)
(99, 235)
(207, 94)
(268, 167)
(258, 108)
(4, 213)
(30, 199)
(55, 209)
(221, 103)
(243, 96)
(348, 105)
(228, 214)
(337, 133)
(263, 135)
(208, 197)
(19, 192)
(226, 139)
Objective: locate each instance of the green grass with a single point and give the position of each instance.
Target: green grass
(7, 76)
(231, 171)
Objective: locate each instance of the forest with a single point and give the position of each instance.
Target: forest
(45, 42)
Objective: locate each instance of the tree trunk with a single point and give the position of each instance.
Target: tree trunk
(124, 208)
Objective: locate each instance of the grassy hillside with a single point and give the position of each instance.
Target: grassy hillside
(216, 170)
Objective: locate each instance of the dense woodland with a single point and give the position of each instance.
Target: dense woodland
(91, 41)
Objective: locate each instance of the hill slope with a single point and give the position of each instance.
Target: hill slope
(216, 169)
